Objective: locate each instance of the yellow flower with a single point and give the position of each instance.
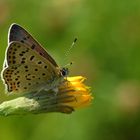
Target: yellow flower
(73, 94)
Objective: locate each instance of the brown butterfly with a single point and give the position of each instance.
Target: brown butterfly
(28, 67)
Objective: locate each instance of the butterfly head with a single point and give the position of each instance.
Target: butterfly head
(64, 72)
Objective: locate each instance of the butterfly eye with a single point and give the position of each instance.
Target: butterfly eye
(64, 72)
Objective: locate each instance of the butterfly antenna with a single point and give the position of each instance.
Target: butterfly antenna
(69, 64)
(68, 51)
(72, 45)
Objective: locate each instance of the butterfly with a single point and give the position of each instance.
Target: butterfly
(28, 67)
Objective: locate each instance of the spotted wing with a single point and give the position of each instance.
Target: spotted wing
(17, 33)
(27, 71)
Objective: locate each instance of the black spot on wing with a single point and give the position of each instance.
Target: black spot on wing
(22, 61)
(22, 41)
(20, 54)
(24, 38)
(33, 46)
(14, 62)
(32, 57)
(39, 62)
(26, 66)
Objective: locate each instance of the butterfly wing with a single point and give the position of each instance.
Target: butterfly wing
(17, 33)
(27, 71)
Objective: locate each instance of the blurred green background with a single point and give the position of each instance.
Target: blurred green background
(107, 53)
